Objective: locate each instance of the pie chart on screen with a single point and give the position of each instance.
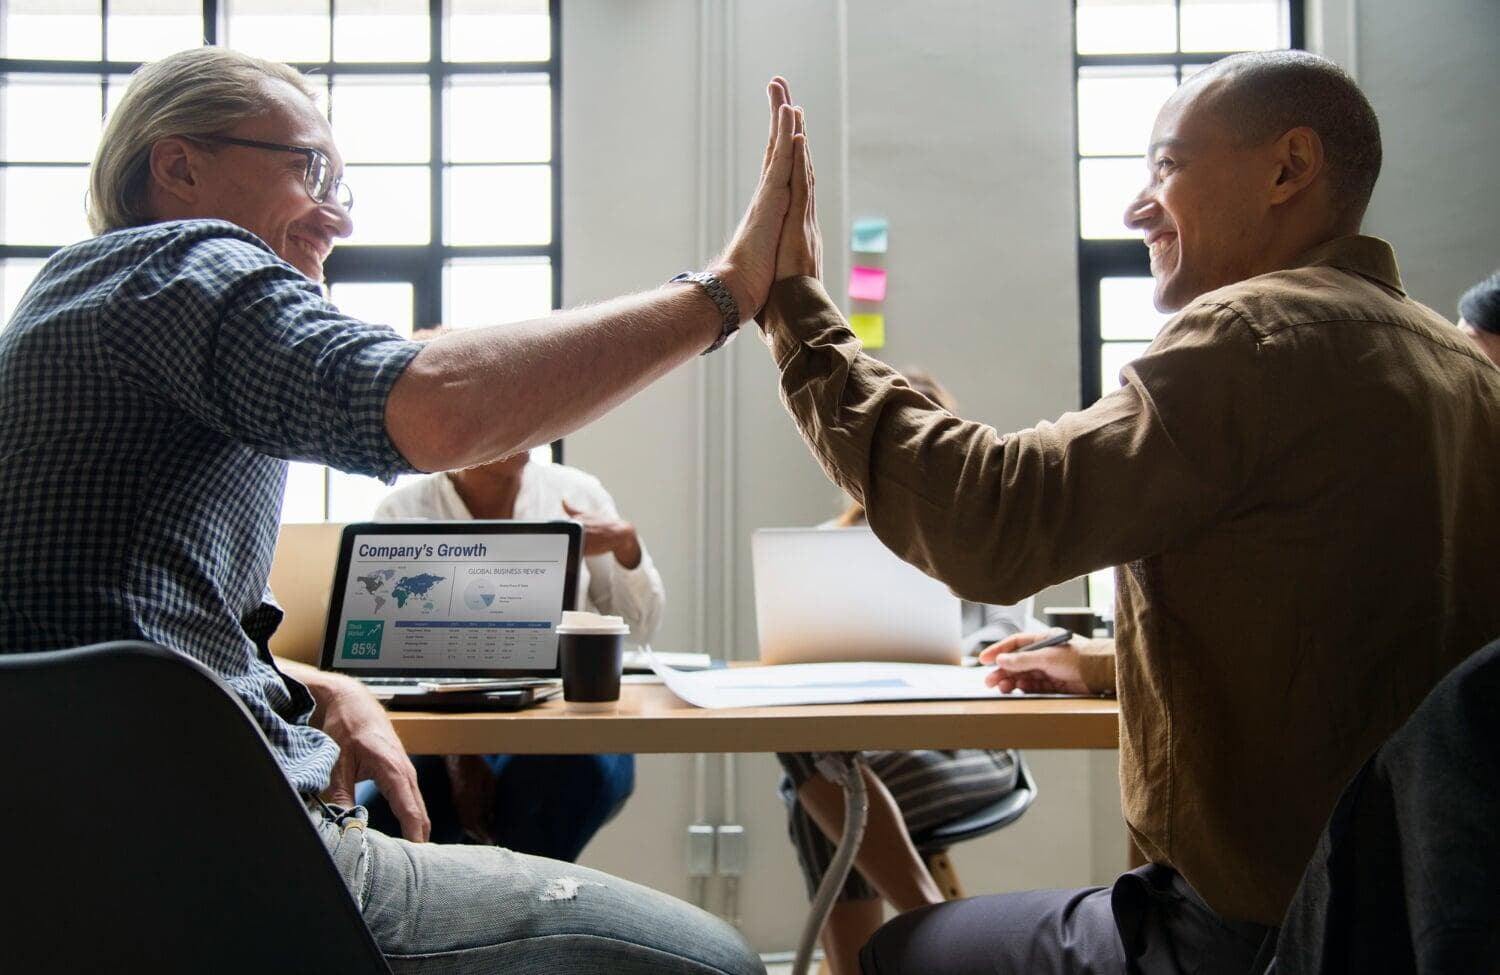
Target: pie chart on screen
(479, 595)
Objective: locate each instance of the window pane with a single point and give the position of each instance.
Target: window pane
(378, 302)
(43, 206)
(353, 497)
(1234, 25)
(1105, 187)
(1113, 357)
(303, 500)
(50, 29)
(491, 291)
(144, 30)
(392, 204)
(282, 30)
(1118, 106)
(1126, 26)
(380, 30)
(50, 118)
(1101, 589)
(499, 119)
(498, 30)
(15, 277)
(1126, 311)
(499, 204)
(381, 120)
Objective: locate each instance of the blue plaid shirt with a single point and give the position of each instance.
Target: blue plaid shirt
(153, 384)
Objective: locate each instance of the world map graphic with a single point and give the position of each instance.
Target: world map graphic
(402, 589)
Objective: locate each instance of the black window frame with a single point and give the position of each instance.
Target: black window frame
(1100, 259)
(420, 264)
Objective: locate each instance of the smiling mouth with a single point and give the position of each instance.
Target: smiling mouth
(1157, 245)
(317, 253)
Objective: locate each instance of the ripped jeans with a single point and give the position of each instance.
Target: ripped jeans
(481, 909)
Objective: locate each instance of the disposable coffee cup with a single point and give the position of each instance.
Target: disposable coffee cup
(1079, 619)
(591, 650)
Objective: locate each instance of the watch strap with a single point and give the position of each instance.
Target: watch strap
(729, 309)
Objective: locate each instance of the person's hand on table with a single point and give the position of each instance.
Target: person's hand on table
(369, 749)
(747, 266)
(1050, 670)
(603, 534)
(800, 250)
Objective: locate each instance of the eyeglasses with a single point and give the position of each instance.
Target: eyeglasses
(318, 180)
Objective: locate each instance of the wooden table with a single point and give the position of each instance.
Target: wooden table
(651, 719)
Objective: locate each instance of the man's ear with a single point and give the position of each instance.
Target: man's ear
(175, 169)
(1299, 162)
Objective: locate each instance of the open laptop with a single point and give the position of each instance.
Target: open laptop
(418, 607)
(825, 594)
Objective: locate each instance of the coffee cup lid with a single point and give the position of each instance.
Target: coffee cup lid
(581, 622)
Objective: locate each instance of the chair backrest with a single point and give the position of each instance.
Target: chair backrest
(148, 828)
(1406, 875)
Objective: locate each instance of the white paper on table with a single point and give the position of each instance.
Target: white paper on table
(830, 683)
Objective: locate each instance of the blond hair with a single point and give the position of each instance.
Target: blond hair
(197, 92)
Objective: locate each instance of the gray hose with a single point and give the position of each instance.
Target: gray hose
(856, 808)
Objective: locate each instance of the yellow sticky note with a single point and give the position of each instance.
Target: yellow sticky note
(869, 329)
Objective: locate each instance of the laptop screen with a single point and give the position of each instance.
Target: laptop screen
(451, 598)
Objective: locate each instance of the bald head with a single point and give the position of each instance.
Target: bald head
(1264, 94)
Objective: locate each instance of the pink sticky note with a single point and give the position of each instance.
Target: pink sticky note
(867, 283)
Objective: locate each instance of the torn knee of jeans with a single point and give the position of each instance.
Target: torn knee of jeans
(565, 888)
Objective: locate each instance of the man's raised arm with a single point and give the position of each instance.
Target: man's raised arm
(999, 518)
(480, 394)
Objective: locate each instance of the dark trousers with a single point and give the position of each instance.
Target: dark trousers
(544, 805)
(1148, 922)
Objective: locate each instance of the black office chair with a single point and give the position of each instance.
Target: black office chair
(147, 827)
(1406, 875)
(934, 843)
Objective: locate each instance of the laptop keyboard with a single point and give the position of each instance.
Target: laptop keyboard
(413, 681)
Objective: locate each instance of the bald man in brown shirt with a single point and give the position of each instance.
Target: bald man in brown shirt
(1299, 480)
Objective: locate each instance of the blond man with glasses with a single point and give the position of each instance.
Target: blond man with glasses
(156, 379)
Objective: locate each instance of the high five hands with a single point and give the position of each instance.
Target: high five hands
(778, 237)
(799, 252)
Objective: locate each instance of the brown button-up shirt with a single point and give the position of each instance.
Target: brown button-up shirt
(1301, 480)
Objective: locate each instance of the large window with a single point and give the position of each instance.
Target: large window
(1129, 56)
(446, 113)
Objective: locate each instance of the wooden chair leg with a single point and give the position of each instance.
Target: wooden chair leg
(941, 868)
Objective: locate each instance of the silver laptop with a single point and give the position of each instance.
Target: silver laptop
(839, 594)
(450, 602)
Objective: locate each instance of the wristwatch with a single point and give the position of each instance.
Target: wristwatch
(729, 309)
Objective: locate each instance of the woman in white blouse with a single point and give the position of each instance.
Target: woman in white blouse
(547, 805)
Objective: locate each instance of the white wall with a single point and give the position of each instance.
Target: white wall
(954, 120)
(1431, 72)
(662, 144)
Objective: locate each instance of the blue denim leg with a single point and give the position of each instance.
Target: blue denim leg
(552, 805)
(438, 909)
(544, 805)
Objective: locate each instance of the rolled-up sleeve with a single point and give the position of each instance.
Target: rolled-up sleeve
(998, 518)
(249, 348)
